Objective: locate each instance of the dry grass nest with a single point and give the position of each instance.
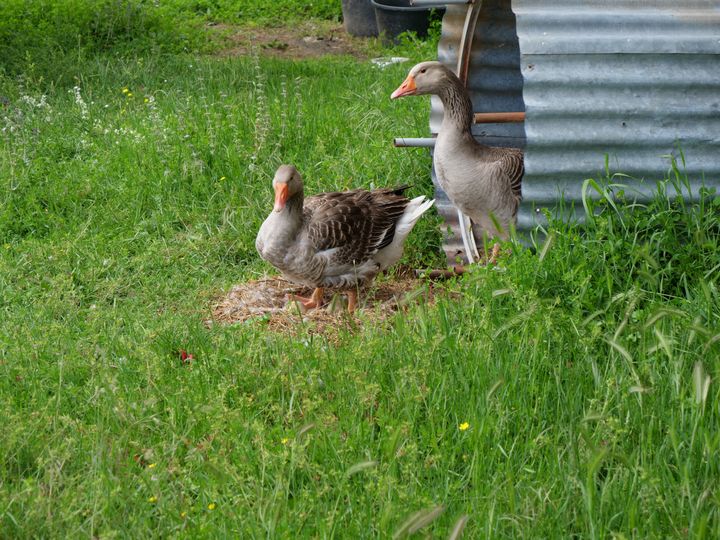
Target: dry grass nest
(266, 301)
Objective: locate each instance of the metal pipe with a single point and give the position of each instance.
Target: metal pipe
(441, 274)
(414, 142)
(499, 117)
(438, 3)
(480, 118)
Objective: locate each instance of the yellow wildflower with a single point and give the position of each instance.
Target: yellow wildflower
(211, 506)
(464, 426)
(222, 178)
(152, 499)
(152, 465)
(146, 100)
(125, 90)
(129, 94)
(183, 514)
(284, 440)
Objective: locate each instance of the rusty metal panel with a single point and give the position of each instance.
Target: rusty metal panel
(634, 80)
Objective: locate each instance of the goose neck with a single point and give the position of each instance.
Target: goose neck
(289, 219)
(457, 105)
(294, 205)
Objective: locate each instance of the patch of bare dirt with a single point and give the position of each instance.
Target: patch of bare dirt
(308, 40)
(266, 300)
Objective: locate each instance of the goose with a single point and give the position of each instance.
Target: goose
(339, 240)
(482, 181)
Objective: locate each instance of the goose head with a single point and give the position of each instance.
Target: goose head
(287, 183)
(424, 78)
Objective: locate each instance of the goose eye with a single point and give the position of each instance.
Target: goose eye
(423, 70)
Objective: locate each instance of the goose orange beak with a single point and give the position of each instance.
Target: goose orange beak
(407, 88)
(281, 196)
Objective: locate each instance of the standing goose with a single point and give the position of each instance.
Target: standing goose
(340, 240)
(482, 181)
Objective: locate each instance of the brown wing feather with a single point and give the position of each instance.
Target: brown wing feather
(357, 222)
(514, 164)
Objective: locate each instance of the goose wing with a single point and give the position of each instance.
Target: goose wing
(513, 163)
(354, 225)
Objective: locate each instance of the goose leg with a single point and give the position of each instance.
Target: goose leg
(494, 254)
(471, 250)
(352, 300)
(314, 301)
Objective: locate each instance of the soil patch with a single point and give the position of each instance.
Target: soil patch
(266, 301)
(307, 40)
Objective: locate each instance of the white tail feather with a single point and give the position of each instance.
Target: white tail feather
(390, 254)
(415, 208)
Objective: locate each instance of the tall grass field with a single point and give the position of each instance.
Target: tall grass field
(570, 391)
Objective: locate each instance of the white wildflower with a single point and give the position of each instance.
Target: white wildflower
(79, 101)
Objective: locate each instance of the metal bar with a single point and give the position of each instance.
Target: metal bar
(499, 117)
(441, 274)
(465, 47)
(414, 142)
(439, 3)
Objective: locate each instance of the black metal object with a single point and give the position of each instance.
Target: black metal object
(359, 18)
(397, 16)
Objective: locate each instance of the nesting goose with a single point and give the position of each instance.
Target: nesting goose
(337, 240)
(482, 181)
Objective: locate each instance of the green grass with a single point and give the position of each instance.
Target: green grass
(580, 369)
(49, 38)
(262, 12)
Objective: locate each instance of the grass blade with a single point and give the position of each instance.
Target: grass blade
(546, 246)
(701, 383)
(459, 528)
(303, 430)
(403, 530)
(426, 519)
(620, 349)
(418, 520)
(711, 342)
(359, 467)
(664, 343)
(494, 388)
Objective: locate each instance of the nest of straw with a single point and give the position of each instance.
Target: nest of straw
(266, 301)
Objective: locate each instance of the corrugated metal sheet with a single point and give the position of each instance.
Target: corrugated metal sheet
(631, 79)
